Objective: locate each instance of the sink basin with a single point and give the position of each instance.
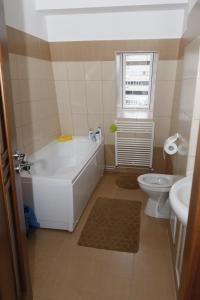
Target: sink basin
(179, 197)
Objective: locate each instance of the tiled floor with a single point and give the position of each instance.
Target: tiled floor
(62, 270)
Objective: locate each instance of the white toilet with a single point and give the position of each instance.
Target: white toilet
(157, 186)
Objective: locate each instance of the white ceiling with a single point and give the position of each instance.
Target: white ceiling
(52, 6)
(79, 20)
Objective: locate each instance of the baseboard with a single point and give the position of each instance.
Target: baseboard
(110, 168)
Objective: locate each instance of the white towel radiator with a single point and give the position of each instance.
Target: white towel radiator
(134, 143)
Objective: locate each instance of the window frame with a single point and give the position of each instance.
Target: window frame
(121, 64)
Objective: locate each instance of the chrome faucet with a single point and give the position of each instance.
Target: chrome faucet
(22, 162)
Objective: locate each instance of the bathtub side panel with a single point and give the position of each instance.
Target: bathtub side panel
(85, 184)
(51, 201)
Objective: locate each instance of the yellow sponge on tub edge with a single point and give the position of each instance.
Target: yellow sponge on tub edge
(64, 138)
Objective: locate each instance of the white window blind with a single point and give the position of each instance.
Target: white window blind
(137, 72)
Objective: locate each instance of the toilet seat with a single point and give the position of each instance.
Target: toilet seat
(156, 181)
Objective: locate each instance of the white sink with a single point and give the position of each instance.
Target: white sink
(179, 197)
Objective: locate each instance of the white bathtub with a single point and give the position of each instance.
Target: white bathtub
(62, 180)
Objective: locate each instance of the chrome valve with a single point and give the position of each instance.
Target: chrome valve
(22, 164)
(19, 156)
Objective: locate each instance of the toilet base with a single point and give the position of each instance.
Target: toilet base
(155, 210)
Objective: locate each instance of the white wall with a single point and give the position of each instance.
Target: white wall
(115, 26)
(138, 24)
(21, 14)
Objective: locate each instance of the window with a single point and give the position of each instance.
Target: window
(137, 80)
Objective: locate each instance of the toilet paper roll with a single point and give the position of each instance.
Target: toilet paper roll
(170, 148)
(172, 139)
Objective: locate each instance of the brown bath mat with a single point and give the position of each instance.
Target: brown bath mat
(113, 224)
(127, 181)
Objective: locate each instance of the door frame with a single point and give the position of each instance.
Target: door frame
(190, 277)
(17, 205)
(18, 247)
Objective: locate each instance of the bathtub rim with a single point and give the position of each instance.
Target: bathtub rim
(26, 176)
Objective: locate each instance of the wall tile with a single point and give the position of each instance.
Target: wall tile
(109, 136)
(196, 109)
(60, 71)
(164, 95)
(32, 68)
(109, 96)
(186, 107)
(191, 59)
(22, 113)
(95, 120)
(92, 70)
(20, 90)
(22, 67)
(190, 165)
(94, 96)
(108, 70)
(105, 50)
(36, 90)
(46, 70)
(49, 89)
(80, 124)
(63, 97)
(27, 134)
(35, 103)
(13, 65)
(193, 137)
(162, 129)
(166, 70)
(20, 144)
(187, 96)
(76, 71)
(62, 90)
(66, 123)
(179, 70)
(78, 96)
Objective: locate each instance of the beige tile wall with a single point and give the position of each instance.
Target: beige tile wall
(86, 98)
(86, 94)
(186, 108)
(196, 111)
(22, 43)
(105, 50)
(164, 94)
(35, 105)
(84, 75)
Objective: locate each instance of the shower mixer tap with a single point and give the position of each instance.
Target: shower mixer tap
(22, 162)
(19, 155)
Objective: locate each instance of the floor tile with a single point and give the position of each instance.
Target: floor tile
(63, 270)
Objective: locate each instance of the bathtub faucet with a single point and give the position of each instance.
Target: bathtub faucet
(96, 135)
(92, 135)
(26, 166)
(22, 163)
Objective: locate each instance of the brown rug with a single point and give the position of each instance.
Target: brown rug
(113, 224)
(127, 181)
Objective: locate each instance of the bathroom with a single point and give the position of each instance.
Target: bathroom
(99, 144)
